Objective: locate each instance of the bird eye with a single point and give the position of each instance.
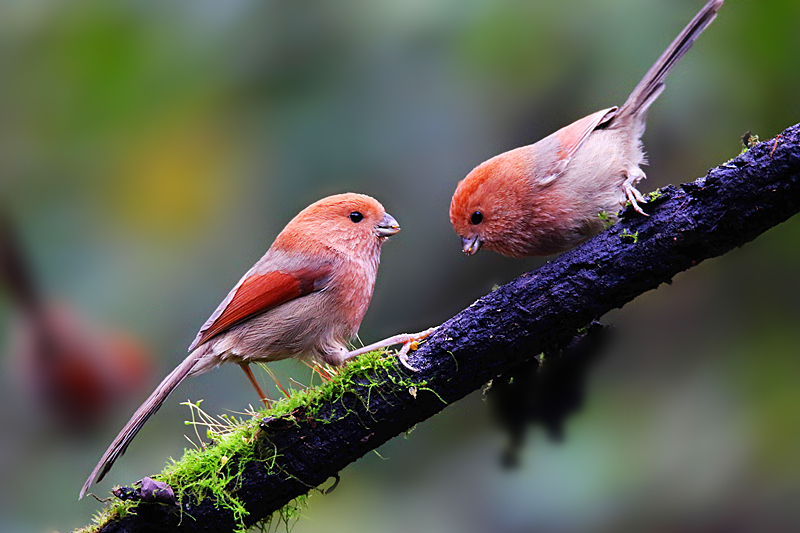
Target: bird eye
(476, 218)
(356, 217)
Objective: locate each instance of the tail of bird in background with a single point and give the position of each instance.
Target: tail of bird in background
(653, 82)
(145, 411)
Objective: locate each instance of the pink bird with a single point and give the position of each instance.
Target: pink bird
(305, 298)
(550, 196)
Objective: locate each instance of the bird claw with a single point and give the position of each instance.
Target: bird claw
(411, 343)
(634, 196)
(634, 176)
(402, 355)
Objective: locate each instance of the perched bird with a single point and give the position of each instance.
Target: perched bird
(304, 298)
(549, 196)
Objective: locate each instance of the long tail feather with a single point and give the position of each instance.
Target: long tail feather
(653, 82)
(145, 411)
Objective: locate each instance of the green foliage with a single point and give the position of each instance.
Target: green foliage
(627, 236)
(607, 219)
(748, 141)
(115, 510)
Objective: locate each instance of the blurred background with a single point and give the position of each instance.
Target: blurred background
(151, 151)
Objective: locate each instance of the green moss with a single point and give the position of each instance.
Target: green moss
(654, 195)
(214, 470)
(606, 219)
(748, 141)
(287, 515)
(116, 509)
(627, 236)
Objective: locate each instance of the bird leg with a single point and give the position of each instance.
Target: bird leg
(408, 340)
(631, 192)
(252, 378)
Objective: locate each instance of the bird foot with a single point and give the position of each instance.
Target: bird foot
(410, 341)
(634, 176)
(634, 197)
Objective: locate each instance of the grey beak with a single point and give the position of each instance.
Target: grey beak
(387, 226)
(471, 245)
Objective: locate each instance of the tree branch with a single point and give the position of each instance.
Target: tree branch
(538, 312)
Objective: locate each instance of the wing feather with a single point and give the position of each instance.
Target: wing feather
(258, 293)
(566, 141)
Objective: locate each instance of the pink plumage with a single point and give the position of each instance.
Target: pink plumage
(550, 196)
(304, 298)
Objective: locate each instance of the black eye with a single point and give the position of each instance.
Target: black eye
(356, 217)
(476, 218)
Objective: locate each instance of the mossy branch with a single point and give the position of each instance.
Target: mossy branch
(289, 453)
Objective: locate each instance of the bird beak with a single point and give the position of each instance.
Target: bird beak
(387, 227)
(471, 245)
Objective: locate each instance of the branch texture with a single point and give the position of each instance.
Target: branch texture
(538, 312)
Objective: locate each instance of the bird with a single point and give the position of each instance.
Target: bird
(305, 299)
(550, 196)
(73, 370)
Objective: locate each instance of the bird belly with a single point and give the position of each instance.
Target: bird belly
(292, 329)
(599, 168)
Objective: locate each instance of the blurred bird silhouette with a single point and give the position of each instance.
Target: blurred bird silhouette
(545, 391)
(73, 370)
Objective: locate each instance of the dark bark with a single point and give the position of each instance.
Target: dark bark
(540, 311)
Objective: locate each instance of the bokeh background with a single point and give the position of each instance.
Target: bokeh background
(150, 152)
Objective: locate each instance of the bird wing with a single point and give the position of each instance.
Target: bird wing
(566, 141)
(257, 293)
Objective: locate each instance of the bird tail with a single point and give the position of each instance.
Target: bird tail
(653, 82)
(145, 411)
